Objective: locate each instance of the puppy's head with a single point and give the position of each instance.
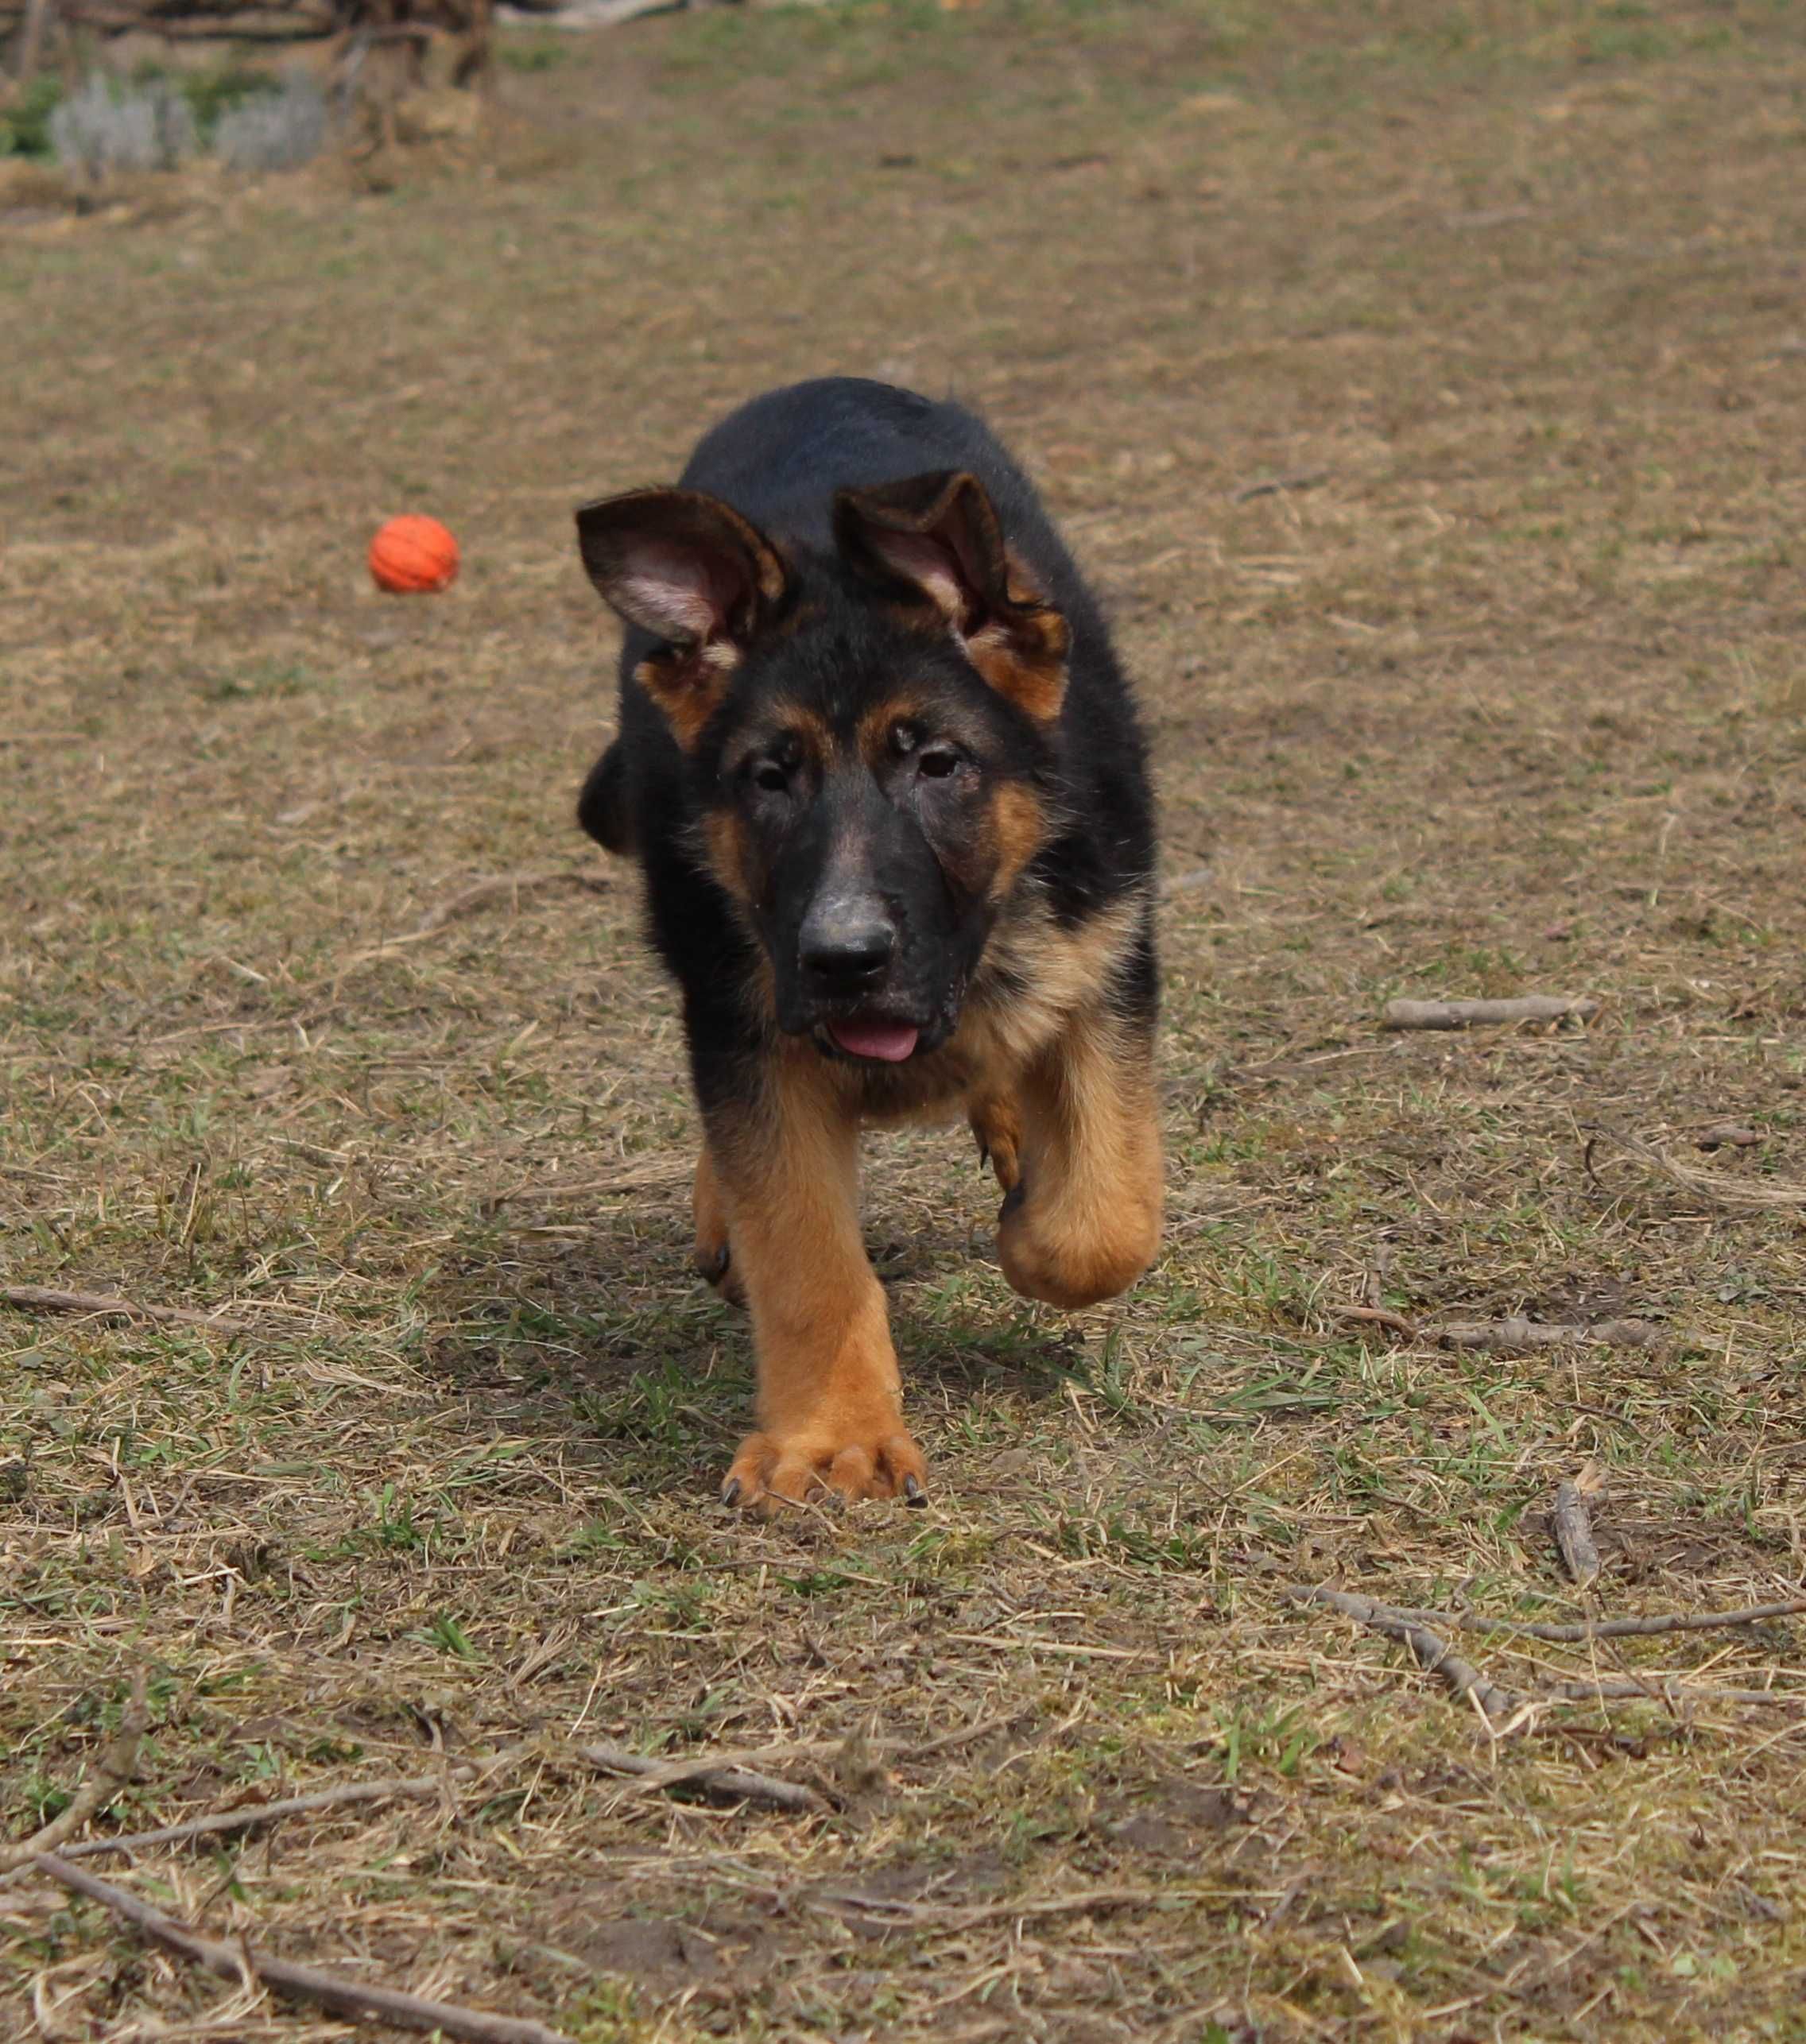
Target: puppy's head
(871, 733)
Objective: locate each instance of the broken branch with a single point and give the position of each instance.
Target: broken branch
(1754, 1193)
(729, 1784)
(110, 1773)
(1431, 1653)
(1576, 1631)
(1515, 1332)
(1273, 486)
(41, 1298)
(356, 1999)
(1514, 1707)
(1467, 1014)
(1574, 1525)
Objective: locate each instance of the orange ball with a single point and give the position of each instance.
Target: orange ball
(413, 556)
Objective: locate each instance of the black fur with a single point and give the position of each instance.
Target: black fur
(834, 644)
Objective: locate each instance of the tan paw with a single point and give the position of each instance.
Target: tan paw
(849, 1460)
(1072, 1266)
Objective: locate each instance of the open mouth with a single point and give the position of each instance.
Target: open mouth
(872, 1036)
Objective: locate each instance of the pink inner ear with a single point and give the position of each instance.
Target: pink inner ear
(926, 561)
(673, 592)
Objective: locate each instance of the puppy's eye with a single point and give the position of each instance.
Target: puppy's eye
(767, 774)
(938, 762)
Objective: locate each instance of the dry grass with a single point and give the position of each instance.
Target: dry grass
(1512, 700)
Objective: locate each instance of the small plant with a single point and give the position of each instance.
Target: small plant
(97, 129)
(277, 131)
(25, 126)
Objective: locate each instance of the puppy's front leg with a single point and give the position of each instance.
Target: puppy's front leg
(1083, 1222)
(830, 1407)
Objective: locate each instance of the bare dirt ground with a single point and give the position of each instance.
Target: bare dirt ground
(1503, 692)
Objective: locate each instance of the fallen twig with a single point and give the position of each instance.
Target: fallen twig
(356, 1999)
(250, 1816)
(1727, 1135)
(1574, 1527)
(1495, 1704)
(1271, 485)
(715, 1775)
(1573, 1632)
(1515, 1332)
(110, 1774)
(1467, 1014)
(1508, 1710)
(41, 1298)
(966, 1915)
(1379, 1316)
(1728, 1191)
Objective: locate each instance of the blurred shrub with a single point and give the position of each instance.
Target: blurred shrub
(274, 131)
(100, 128)
(25, 126)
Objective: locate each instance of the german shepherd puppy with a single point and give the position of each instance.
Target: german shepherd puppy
(886, 781)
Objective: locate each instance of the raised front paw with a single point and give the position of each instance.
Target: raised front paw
(843, 1456)
(1074, 1259)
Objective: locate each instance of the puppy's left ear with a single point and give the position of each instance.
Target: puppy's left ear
(936, 539)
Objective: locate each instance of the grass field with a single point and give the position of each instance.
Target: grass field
(1504, 691)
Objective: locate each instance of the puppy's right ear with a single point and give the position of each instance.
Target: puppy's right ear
(690, 570)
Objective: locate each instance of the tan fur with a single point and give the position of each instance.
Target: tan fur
(1061, 1094)
(729, 855)
(1019, 829)
(687, 685)
(829, 1394)
(1024, 659)
(1088, 1222)
(714, 1247)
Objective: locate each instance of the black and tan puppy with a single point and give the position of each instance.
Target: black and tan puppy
(887, 783)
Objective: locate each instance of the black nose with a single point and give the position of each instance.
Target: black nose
(846, 942)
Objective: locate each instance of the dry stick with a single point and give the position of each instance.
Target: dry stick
(1578, 1631)
(732, 1783)
(1465, 1679)
(110, 1773)
(966, 1915)
(1517, 1333)
(36, 1298)
(737, 1783)
(1573, 1526)
(1513, 1332)
(1435, 1655)
(1465, 1014)
(250, 1816)
(1753, 1193)
(1271, 485)
(1378, 1316)
(353, 1999)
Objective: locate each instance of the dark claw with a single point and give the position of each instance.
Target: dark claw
(913, 1494)
(715, 1267)
(984, 1150)
(730, 1491)
(1013, 1198)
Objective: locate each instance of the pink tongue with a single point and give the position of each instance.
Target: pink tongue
(891, 1041)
